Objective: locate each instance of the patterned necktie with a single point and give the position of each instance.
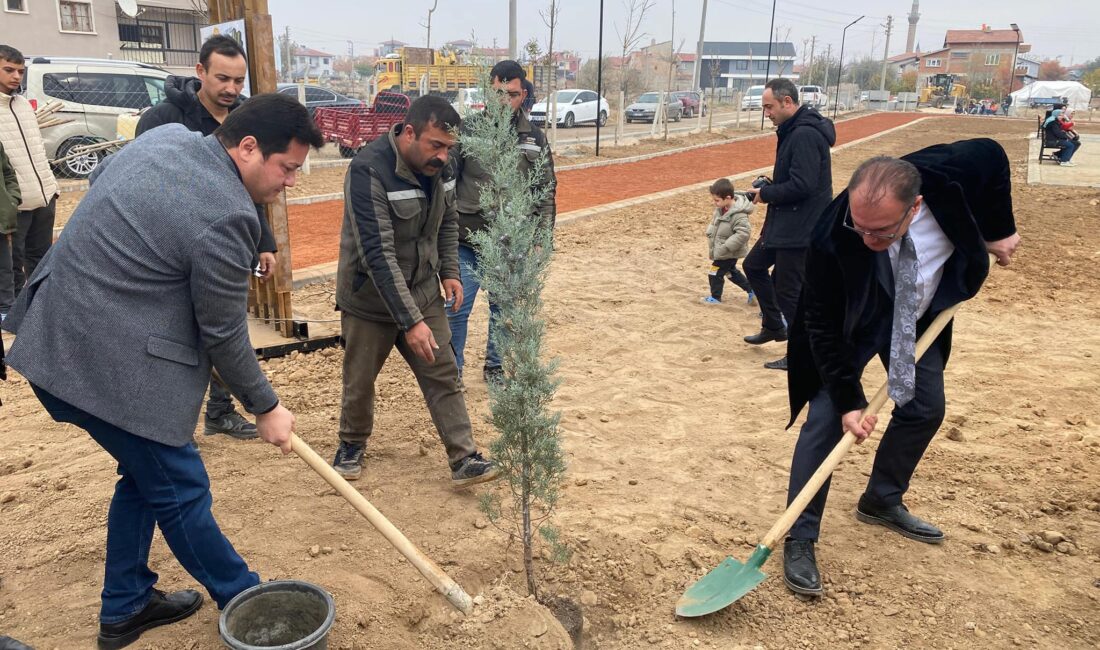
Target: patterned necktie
(901, 384)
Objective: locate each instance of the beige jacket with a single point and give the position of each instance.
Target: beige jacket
(728, 233)
(23, 144)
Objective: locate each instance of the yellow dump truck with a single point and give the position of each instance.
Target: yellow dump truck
(442, 71)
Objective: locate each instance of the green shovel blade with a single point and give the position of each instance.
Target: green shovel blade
(724, 585)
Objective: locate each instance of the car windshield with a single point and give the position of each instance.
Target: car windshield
(648, 98)
(756, 91)
(566, 96)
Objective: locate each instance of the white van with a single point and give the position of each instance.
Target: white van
(94, 92)
(751, 100)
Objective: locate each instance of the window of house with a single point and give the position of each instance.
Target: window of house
(17, 6)
(761, 65)
(75, 16)
(742, 65)
(992, 59)
(326, 60)
(933, 63)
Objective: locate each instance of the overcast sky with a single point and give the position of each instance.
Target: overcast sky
(1055, 29)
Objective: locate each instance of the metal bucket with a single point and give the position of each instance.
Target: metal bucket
(278, 615)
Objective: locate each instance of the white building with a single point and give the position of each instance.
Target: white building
(308, 63)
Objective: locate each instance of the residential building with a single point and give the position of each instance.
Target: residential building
(1027, 70)
(385, 48)
(906, 62)
(975, 57)
(307, 63)
(164, 33)
(738, 65)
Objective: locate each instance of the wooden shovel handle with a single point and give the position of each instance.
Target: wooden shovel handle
(440, 580)
(779, 530)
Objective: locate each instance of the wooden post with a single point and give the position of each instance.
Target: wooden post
(270, 300)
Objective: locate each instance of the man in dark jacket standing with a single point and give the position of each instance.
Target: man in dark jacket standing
(398, 245)
(201, 104)
(907, 239)
(509, 79)
(802, 185)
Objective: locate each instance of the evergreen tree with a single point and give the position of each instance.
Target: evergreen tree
(514, 253)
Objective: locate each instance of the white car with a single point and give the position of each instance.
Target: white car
(468, 100)
(575, 106)
(752, 100)
(812, 96)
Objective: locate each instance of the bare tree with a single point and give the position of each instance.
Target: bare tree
(550, 19)
(629, 36)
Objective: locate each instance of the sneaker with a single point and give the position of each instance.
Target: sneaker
(711, 300)
(472, 470)
(231, 424)
(493, 375)
(751, 298)
(1068, 164)
(349, 460)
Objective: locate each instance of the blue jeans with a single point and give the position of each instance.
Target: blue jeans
(1065, 153)
(467, 264)
(159, 485)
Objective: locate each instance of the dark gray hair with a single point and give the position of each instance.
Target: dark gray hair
(783, 88)
(11, 55)
(883, 174)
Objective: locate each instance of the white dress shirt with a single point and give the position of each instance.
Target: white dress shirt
(933, 248)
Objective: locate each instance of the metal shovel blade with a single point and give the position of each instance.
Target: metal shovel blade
(724, 585)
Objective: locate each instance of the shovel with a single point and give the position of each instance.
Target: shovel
(430, 570)
(731, 579)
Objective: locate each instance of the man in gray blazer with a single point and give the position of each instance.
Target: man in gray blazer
(119, 326)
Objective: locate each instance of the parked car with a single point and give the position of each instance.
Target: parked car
(353, 128)
(693, 102)
(575, 106)
(317, 97)
(94, 93)
(644, 109)
(468, 100)
(753, 98)
(812, 96)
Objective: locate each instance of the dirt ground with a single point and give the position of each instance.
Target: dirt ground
(677, 458)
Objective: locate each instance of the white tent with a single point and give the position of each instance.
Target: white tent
(1077, 94)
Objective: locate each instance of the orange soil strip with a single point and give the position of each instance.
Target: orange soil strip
(315, 228)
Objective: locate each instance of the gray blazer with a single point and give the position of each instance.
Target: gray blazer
(145, 289)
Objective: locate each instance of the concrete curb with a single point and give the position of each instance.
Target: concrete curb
(327, 271)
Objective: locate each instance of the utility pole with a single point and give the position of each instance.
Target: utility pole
(512, 52)
(270, 300)
(828, 61)
(886, 53)
(287, 55)
(810, 77)
(695, 77)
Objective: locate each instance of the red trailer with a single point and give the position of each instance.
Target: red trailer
(352, 128)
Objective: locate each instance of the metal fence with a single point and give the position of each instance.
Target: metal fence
(161, 36)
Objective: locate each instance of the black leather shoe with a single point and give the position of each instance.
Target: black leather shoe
(800, 567)
(778, 364)
(898, 519)
(162, 609)
(766, 335)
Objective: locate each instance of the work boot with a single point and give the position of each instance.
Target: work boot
(493, 375)
(232, 424)
(349, 460)
(472, 470)
(767, 335)
(162, 609)
(800, 567)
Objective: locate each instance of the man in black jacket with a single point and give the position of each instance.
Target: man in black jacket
(907, 239)
(202, 104)
(802, 186)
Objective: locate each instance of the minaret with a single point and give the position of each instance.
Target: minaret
(913, 17)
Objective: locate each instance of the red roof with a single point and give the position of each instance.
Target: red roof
(305, 51)
(925, 55)
(687, 58)
(903, 57)
(959, 36)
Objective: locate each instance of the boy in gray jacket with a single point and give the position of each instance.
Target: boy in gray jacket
(728, 238)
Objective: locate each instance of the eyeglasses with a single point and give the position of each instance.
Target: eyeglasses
(850, 225)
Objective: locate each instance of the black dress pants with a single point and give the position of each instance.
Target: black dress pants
(778, 291)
